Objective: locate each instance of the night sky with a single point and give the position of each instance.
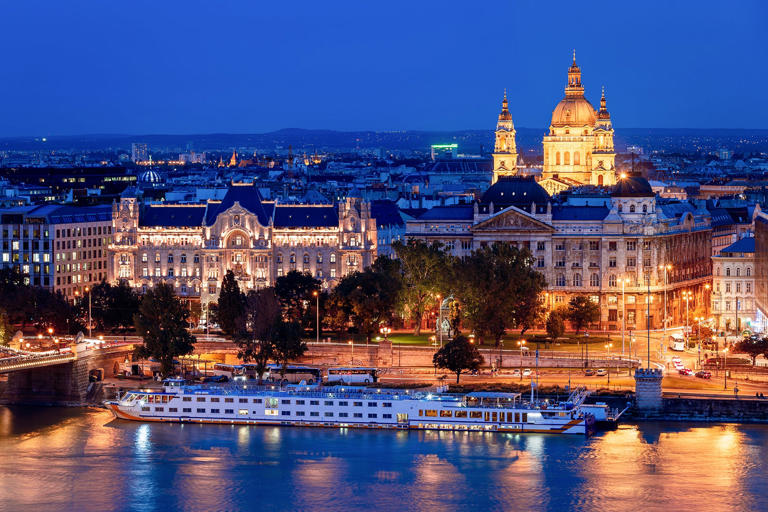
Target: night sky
(162, 66)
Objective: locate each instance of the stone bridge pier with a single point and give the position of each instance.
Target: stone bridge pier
(66, 383)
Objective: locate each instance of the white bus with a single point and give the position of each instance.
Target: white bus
(356, 375)
(293, 374)
(229, 371)
(677, 342)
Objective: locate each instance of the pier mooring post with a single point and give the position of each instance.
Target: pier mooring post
(648, 388)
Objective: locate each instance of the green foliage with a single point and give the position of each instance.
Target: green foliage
(424, 268)
(257, 330)
(367, 298)
(752, 348)
(162, 321)
(458, 355)
(231, 304)
(555, 324)
(498, 289)
(112, 307)
(286, 343)
(582, 312)
(294, 291)
(6, 329)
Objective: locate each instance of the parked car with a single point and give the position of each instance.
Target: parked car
(704, 374)
(589, 372)
(685, 371)
(516, 372)
(527, 372)
(602, 372)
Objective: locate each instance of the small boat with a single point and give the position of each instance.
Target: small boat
(353, 407)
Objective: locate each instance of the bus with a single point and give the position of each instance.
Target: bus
(293, 374)
(229, 371)
(677, 342)
(355, 375)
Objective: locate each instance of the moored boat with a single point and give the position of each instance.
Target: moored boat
(346, 406)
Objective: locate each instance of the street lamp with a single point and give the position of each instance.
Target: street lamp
(666, 268)
(316, 295)
(624, 281)
(77, 294)
(521, 344)
(352, 359)
(725, 367)
(439, 319)
(608, 348)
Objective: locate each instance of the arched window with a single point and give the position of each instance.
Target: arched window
(594, 280)
(600, 180)
(567, 158)
(717, 271)
(560, 280)
(645, 208)
(738, 272)
(557, 158)
(612, 281)
(621, 207)
(293, 258)
(631, 208)
(576, 159)
(306, 258)
(749, 271)
(728, 271)
(333, 257)
(576, 279)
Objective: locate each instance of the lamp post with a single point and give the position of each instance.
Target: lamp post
(666, 268)
(521, 344)
(624, 280)
(440, 319)
(608, 348)
(725, 367)
(352, 345)
(317, 309)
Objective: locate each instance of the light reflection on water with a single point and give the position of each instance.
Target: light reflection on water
(56, 459)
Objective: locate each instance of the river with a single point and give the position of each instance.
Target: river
(82, 459)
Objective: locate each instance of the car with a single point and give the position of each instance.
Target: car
(516, 372)
(685, 371)
(704, 374)
(676, 359)
(589, 372)
(602, 372)
(527, 372)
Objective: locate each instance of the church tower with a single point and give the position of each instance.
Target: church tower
(604, 156)
(505, 149)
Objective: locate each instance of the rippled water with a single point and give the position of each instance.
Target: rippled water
(72, 459)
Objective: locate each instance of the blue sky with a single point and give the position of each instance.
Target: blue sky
(82, 67)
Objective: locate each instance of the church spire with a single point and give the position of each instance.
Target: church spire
(504, 115)
(603, 112)
(574, 87)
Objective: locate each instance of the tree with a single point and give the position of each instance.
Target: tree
(294, 291)
(582, 311)
(751, 347)
(424, 267)
(231, 304)
(555, 324)
(6, 329)
(162, 322)
(113, 307)
(498, 288)
(256, 335)
(368, 298)
(287, 343)
(458, 355)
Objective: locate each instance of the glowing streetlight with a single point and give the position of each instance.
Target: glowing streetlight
(316, 295)
(521, 344)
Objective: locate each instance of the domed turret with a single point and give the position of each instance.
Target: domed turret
(574, 109)
(518, 191)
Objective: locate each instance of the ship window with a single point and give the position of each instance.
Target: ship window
(201, 410)
(257, 400)
(267, 412)
(186, 409)
(430, 413)
(372, 404)
(201, 399)
(343, 404)
(300, 413)
(229, 400)
(487, 416)
(145, 409)
(285, 413)
(446, 414)
(358, 415)
(229, 411)
(525, 417)
(215, 411)
(386, 416)
(243, 400)
(357, 404)
(328, 414)
(159, 409)
(285, 402)
(510, 417)
(314, 413)
(475, 414)
(187, 399)
(314, 402)
(387, 404)
(372, 415)
(460, 414)
(328, 402)
(173, 409)
(299, 402)
(494, 417)
(343, 415)
(216, 399)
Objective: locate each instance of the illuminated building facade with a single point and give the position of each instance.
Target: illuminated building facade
(505, 147)
(193, 246)
(579, 146)
(733, 288)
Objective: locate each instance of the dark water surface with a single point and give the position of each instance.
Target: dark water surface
(74, 459)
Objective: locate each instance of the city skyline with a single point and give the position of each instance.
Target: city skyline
(240, 69)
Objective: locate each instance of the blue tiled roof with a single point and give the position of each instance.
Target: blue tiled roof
(55, 214)
(457, 212)
(299, 216)
(173, 215)
(743, 245)
(386, 213)
(579, 212)
(249, 198)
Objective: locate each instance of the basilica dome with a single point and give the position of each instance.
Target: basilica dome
(574, 111)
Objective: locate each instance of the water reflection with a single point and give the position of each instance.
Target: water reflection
(74, 459)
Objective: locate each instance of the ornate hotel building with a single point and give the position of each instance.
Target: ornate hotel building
(194, 245)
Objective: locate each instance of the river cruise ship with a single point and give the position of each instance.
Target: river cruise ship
(353, 407)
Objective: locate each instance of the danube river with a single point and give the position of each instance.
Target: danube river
(76, 459)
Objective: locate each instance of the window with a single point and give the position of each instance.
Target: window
(738, 272)
(728, 271)
(594, 280)
(343, 404)
(300, 413)
(242, 412)
(645, 208)
(314, 402)
(749, 271)
(387, 404)
(229, 411)
(631, 208)
(333, 258)
(358, 415)
(201, 410)
(357, 404)
(541, 246)
(328, 402)
(328, 414)
(372, 415)
(186, 409)
(285, 413)
(557, 158)
(285, 402)
(727, 287)
(567, 158)
(576, 279)
(748, 287)
(613, 315)
(632, 245)
(314, 413)
(594, 245)
(631, 262)
(215, 411)
(343, 415)
(612, 262)
(612, 281)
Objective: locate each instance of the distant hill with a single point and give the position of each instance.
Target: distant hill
(469, 141)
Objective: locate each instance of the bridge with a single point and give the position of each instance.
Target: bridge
(62, 376)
